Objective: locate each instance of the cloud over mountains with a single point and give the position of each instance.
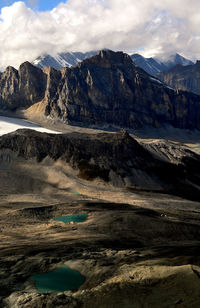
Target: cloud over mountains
(156, 27)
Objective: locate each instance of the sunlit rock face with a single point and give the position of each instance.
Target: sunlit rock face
(107, 89)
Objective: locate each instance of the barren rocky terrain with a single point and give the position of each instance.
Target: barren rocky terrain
(139, 246)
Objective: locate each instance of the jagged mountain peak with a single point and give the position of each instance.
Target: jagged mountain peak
(10, 69)
(27, 66)
(177, 59)
(155, 65)
(67, 59)
(108, 58)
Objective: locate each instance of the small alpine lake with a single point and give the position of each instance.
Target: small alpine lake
(73, 218)
(59, 280)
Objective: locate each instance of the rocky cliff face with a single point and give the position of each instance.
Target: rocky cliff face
(185, 78)
(105, 89)
(115, 158)
(21, 88)
(109, 88)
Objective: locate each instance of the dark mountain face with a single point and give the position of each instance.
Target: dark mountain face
(109, 88)
(105, 89)
(185, 78)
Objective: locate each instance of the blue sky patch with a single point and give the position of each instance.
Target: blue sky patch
(40, 5)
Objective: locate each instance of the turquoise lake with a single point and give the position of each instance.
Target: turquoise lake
(75, 218)
(59, 280)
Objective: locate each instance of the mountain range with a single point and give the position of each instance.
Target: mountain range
(106, 89)
(60, 60)
(151, 65)
(139, 244)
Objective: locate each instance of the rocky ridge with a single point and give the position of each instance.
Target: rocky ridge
(107, 89)
(185, 78)
(116, 158)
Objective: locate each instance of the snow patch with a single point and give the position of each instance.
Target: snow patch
(155, 80)
(8, 125)
(61, 61)
(169, 88)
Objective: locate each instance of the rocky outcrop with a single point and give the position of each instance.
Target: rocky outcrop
(115, 158)
(107, 89)
(185, 78)
(21, 88)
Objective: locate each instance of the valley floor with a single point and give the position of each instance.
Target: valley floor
(135, 249)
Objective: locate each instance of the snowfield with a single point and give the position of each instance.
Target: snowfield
(8, 125)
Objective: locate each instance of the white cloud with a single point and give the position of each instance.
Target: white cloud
(33, 3)
(160, 27)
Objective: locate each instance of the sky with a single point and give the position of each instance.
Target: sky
(41, 5)
(151, 27)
